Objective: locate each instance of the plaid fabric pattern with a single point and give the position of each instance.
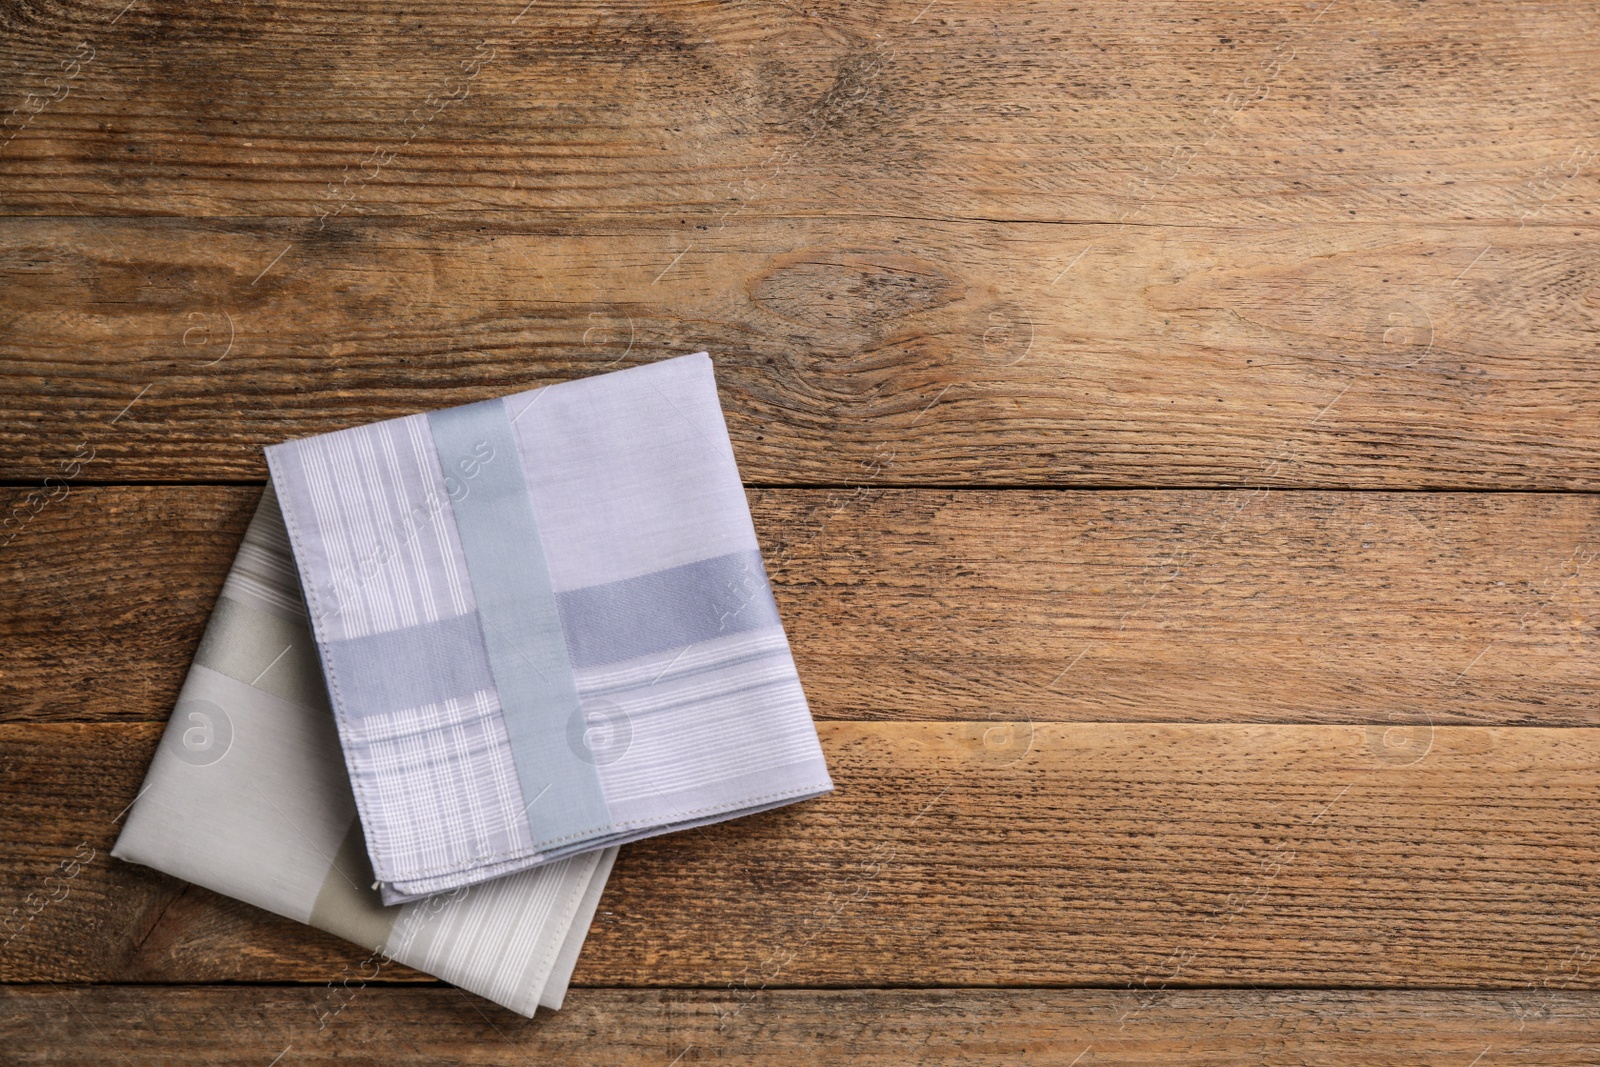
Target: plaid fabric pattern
(456, 748)
(248, 796)
(479, 738)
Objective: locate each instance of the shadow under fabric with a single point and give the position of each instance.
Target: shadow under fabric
(248, 796)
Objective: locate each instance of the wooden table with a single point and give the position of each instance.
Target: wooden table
(1172, 429)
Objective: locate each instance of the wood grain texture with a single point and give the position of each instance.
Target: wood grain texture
(940, 604)
(865, 1028)
(1216, 111)
(109, 590)
(1140, 856)
(958, 263)
(877, 352)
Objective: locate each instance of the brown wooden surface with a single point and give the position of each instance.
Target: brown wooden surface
(969, 853)
(855, 351)
(875, 1028)
(951, 604)
(1211, 111)
(1312, 253)
(1085, 361)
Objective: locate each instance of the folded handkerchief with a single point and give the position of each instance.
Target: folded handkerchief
(545, 625)
(247, 796)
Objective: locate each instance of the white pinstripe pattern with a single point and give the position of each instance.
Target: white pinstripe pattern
(262, 823)
(413, 757)
(379, 513)
(628, 475)
(263, 573)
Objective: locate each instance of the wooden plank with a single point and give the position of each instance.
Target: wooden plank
(114, 587)
(849, 351)
(1150, 111)
(1140, 856)
(863, 1028)
(939, 604)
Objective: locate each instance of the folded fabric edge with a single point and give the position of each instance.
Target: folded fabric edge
(401, 885)
(555, 987)
(409, 891)
(422, 884)
(277, 491)
(416, 934)
(278, 830)
(571, 927)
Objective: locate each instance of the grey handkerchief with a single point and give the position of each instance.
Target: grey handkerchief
(545, 625)
(247, 796)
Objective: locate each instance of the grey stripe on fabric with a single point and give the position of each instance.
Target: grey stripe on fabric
(265, 650)
(520, 621)
(347, 902)
(428, 663)
(698, 601)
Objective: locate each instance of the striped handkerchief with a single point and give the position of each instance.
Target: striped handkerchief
(545, 625)
(247, 796)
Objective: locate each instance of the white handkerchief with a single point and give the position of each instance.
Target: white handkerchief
(248, 796)
(545, 625)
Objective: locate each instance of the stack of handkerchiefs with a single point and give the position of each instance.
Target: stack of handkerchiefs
(461, 657)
